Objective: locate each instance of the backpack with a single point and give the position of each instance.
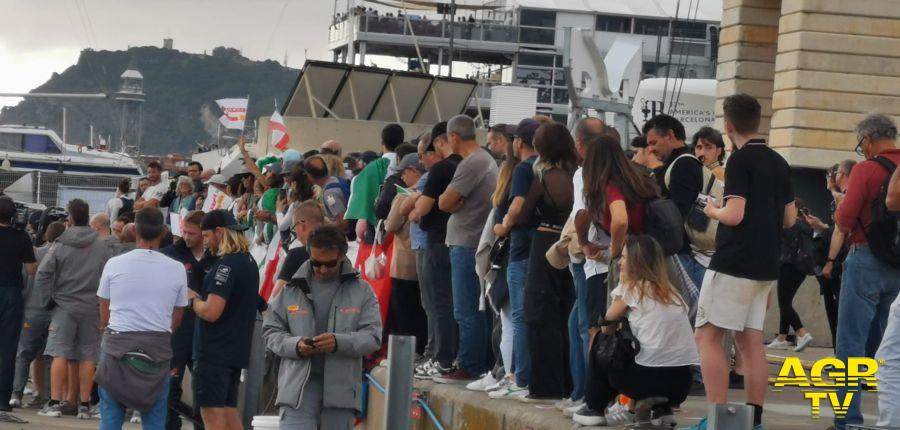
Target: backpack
(663, 222)
(799, 249)
(701, 230)
(127, 205)
(344, 185)
(884, 231)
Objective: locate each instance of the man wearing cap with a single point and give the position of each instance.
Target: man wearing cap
(226, 310)
(434, 281)
(142, 295)
(321, 326)
(520, 232)
(218, 181)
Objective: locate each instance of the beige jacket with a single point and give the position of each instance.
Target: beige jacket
(403, 263)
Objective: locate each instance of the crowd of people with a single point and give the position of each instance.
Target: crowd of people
(521, 265)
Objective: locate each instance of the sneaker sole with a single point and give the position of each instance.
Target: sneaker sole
(50, 414)
(84, 416)
(537, 401)
(590, 422)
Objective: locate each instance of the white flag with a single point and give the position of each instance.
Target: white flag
(234, 113)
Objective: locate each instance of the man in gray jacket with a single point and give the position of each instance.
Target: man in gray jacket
(71, 272)
(322, 325)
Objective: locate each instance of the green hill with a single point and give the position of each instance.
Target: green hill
(180, 88)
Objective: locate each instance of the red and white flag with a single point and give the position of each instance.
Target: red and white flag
(234, 113)
(279, 137)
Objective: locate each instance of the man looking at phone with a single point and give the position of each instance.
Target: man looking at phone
(321, 325)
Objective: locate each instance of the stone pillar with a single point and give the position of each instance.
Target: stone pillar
(747, 47)
(837, 60)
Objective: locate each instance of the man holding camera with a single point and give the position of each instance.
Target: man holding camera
(15, 251)
(321, 326)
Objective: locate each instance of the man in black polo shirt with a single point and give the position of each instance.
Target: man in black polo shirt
(226, 312)
(759, 204)
(197, 261)
(435, 283)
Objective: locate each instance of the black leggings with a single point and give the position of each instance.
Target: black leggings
(789, 281)
(637, 382)
(407, 318)
(831, 292)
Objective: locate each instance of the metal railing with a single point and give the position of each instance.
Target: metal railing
(55, 189)
(486, 31)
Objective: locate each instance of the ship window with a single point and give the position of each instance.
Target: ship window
(10, 141)
(39, 144)
(615, 24)
(538, 18)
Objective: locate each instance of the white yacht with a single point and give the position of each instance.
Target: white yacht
(26, 148)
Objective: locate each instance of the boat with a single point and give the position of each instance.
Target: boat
(26, 148)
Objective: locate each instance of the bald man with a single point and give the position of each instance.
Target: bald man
(332, 147)
(100, 224)
(207, 174)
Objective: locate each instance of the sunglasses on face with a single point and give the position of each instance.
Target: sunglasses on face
(326, 264)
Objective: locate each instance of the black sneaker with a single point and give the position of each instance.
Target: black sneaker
(457, 376)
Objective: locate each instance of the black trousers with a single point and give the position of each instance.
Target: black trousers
(440, 291)
(831, 292)
(789, 281)
(637, 382)
(407, 318)
(549, 296)
(12, 309)
(182, 359)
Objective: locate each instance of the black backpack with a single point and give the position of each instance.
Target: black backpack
(884, 231)
(663, 222)
(127, 205)
(798, 248)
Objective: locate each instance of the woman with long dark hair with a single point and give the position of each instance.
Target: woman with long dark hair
(549, 292)
(615, 191)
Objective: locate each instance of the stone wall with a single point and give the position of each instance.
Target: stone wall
(817, 66)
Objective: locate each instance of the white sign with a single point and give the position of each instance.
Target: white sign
(235, 112)
(175, 224)
(216, 199)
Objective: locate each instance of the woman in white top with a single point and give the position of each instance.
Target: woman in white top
(659, 320)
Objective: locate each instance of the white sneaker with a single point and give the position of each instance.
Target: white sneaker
(509, 391)
(587, 417)
(564, 404)
(28, 391)
(499, 384)
(15, 401)
(803, 342)
(136, 417)
(481, 385)
(778, 344)
(619, 418)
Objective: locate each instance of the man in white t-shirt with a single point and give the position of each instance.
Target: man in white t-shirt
(143, 294)
(157, 189)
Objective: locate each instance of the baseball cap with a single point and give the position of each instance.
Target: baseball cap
(411, 160)
(217, 179)
(220, 218)
(526, 129)
(436, 131)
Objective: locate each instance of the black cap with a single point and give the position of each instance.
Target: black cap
(436, 131)
(220, 218)
(526, 129)
(368, 156)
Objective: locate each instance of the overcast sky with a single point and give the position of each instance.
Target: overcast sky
(39, 37)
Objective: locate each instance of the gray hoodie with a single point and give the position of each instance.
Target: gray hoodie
(36, 298)
(355, 320)
(71, 270)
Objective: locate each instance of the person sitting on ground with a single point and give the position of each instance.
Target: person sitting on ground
(658, 318)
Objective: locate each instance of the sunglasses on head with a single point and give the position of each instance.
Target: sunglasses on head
(327, 264)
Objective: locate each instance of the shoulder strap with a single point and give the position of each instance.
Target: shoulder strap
(886, 163)
(668, 175)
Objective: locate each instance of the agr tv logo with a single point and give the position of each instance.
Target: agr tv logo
(825, 378)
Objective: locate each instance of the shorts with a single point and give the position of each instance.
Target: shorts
(732, 303)
(215, 386)
(74, 336)
(33, 339)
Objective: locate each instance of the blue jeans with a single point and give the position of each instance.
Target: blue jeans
(112, 413)
(578, 332)
(515, 277)
(474, 325)
(868, 288)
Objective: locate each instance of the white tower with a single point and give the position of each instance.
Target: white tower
(131, 100)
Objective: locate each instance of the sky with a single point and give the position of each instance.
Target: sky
(40, 37)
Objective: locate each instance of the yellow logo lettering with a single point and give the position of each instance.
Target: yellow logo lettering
(840, 409)
(862, 370)
(815, 399)
(792, 374)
